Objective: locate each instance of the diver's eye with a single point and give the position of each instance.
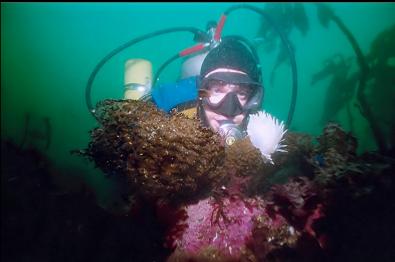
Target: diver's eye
(215, 90)
(244, 91)
(216, 86)
(242, 96)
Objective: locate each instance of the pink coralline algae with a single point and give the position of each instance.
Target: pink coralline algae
(224, 225)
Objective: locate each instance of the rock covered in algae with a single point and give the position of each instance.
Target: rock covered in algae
(335, 154)
(244, 165)
(168, 157)
(243, 159)
(229, 230)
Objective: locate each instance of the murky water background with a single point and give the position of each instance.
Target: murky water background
(48, 51)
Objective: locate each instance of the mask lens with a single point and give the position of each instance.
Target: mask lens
(216, 90)
(219, 89)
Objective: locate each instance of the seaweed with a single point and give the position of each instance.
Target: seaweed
(287, 17)
(380, 89)
(342, 86)
(325, 15)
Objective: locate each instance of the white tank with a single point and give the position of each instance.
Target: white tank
(191, 66)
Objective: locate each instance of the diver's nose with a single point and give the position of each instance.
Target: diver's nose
(231, 105)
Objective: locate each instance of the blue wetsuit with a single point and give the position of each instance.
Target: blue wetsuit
(168, 96)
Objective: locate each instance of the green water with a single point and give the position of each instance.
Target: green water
(48, 51)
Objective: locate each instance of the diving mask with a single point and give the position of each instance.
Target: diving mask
(231, 99)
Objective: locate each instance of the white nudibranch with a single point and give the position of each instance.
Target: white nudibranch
(266, 133)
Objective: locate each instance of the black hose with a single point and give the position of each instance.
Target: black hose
(288, 48)
(88, 89)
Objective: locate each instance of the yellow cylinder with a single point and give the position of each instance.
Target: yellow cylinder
(138, 78)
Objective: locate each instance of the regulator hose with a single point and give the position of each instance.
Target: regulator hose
(198, 33)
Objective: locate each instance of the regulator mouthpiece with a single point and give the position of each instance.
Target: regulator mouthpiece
(231, 132)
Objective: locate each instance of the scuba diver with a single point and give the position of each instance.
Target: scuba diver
(221, 85)
(221, 79)
(228, 88)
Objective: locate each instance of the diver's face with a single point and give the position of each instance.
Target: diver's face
(214, 119)
(217, 90)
